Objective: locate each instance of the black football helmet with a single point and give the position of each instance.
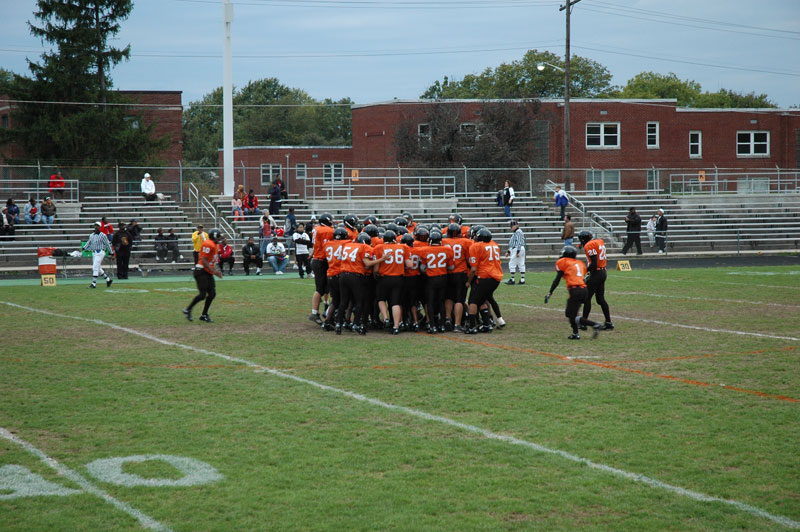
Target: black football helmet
(370, 220)
(585, 236)
(350, 221)
(435, 227)
(389, 236)
(569, 251)
(363, 238)
(473, 231)
(408, 240)
(435, 238)
(421, 234)
(401, 230)
(408, 217)
(484, 235)
(215, 235)
(392, 227)
(456, 218)
(340, 233)
(453, 230)
(401, 221)
(326, 218)
(371, 230)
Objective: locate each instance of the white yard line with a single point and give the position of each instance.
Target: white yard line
(145, 520)
(657, 280)
(694, 495)
(659, 322)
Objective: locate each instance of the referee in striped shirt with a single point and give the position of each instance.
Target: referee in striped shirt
(516, 252)
(98, 244)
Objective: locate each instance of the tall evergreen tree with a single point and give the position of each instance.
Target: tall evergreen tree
(63, 117)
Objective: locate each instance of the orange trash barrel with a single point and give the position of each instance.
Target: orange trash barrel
(47, 263)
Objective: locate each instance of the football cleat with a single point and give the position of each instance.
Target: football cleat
(206, 318)
(596, 329)
(395, 331)
(188, 314)
(315, 318)
(108, 283)
(575, 336)
(470, 330)
(510, 281)
(485, 329)
(458, 328)
(608, 326)
(522, 281)
(328, 326)
(362, 330)
(338, 328)
(92, 285)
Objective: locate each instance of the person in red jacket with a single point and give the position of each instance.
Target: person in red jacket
(56, 185)
(251, 204)
(225, 256)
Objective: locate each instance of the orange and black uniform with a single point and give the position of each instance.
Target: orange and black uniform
(572, 270)
(485, 258)
(204, 275)
(437, 260)
(333, 250)
(457, 278)
(413, 279)
(351, 280)
(319, 264)
(596, 285)
(391, 272)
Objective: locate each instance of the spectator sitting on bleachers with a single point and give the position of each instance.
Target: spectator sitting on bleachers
(48, 212)
(251, 204)
(32, 214)
(172, 245)
(226, 256)
(12, 211)
(7, 226)
(148, 188)
(106, 228)
(276, 256)
(160, 244)
(136, 233)
(237, 208)
(251, 254)
(56, 185)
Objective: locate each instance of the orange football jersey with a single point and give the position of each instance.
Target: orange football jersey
(596, 248)
(208, 249)
(353, 255)
(320, 236)
(413, 254)
(395, 264)
(333, 252)
(573, 270)
(485, 257)
(436, 260)
(460, 253)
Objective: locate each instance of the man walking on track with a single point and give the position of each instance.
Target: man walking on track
(204, 273)
(98, 244)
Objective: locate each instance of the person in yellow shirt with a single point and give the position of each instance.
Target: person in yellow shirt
(197, 242)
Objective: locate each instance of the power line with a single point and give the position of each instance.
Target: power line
(372, 4)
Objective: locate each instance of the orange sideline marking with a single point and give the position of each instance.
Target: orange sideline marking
(606, 365)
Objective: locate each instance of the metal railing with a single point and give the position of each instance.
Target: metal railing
(593, 218)
(722, 181)
(219, 221)
(386, 187)
(39, 189)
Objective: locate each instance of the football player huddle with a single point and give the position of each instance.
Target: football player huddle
(405, 276)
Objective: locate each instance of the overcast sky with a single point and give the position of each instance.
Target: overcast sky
(376, 50)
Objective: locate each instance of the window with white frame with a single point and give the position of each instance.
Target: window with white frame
(602, 135)
(300, 171)
(653, 141)
(653, 181)
(599, 181)
(424, 135)
(469, 132)
(695, 144)
(752, 143)
(269, 173)
(333, 172)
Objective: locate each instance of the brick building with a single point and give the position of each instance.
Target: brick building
(615, 144)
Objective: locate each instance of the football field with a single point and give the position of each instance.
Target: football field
(118, 414)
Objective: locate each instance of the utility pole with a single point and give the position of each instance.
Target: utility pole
(227, 99)
(567, 165)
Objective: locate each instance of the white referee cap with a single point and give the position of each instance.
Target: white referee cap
(146, 174)
(98, 224)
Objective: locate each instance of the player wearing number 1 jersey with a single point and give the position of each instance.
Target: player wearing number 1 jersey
(572, 270)
(390, 278)
(437, 261)
(595, 250)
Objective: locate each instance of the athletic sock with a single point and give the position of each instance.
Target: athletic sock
(314, 312)
(485, 317)
(472, 320)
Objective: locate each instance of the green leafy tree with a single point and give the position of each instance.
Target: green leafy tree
(77, 70)
(522, 79)
(266, 113)
(688, 93)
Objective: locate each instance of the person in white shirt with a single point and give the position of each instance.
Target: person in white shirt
(276, 256)
(651, 230)
(148, 188)
(301, 242)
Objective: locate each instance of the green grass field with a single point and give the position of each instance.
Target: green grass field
(686, 417)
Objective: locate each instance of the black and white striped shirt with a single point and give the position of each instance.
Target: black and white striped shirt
(97, 242)
(517, 240)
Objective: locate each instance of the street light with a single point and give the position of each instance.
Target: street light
(540, 67)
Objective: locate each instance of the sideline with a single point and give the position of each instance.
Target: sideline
(659, 322)
(145, 520)
(635, 477)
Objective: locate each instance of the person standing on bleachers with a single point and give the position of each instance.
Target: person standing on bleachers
(106, 228)
(56, 185)
(275, 199)
(122, 242)
(634, 230)
(148, 188)
(561, 201)
(568, 232)
(651, 230)
(266, 225)
(661, 232)
(136, 233)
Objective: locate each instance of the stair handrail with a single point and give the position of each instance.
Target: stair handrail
(594, 218)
